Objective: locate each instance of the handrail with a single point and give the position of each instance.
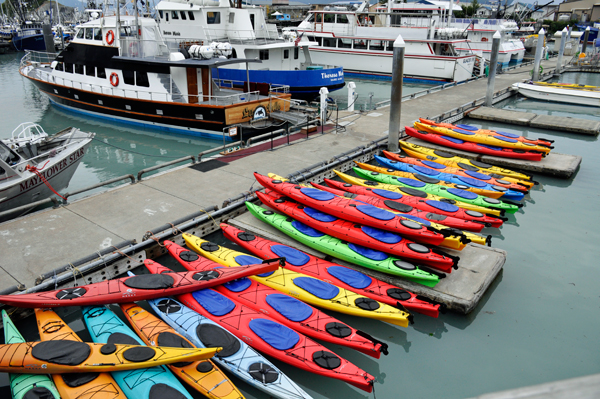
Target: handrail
(163, 165)
(29, 206)
(264, 135)
(216, 149)
(101, 184)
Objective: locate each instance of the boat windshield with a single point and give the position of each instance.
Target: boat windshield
(8, 155)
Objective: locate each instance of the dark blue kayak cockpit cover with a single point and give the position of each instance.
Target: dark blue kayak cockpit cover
(320, 216)
(244, 260)
(289, 307)
(468, 127)
(374, 212)
(387, 194)
(368, 252)
(306, 230)
(442, 206)
(472, 182)
(381, 235)
(238, 285)
(351, 277)
(434, 165)
(426, 171)
(462, 193)
(291, 255)
(462, 131)
(491, 147)
(508, 140)
(410, 182)
(477, 175)
(277, 335)
(318, 288)
(318, 195)
(452, 139)
(214, 303)
(417, 219)
(506, 134)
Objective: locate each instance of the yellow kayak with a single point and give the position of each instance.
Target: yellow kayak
(417, 151)
(567, 86)
(307, 289)
(403, 191)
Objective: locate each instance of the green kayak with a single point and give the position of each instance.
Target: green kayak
(455, 194)
(352, 253)
(26, 385)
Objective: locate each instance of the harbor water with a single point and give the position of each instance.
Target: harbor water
(537, 323)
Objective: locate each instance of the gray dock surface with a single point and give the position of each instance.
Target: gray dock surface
(561, 123)
(40, 242)
(461, 290)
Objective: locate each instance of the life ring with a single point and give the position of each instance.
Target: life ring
(110, 37)
(484, 39)
(114, 79)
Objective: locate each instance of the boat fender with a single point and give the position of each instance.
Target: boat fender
(114, 79)
(110, 37)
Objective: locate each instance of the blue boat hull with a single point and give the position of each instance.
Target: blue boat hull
(303, 84)
(33, 43)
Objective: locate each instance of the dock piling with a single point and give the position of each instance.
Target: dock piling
(586, 36)
(396, 96)
(489, 96)
(538, 54)
(351, 94)
(563, 41)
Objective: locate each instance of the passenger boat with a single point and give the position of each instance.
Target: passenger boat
(120, 68)
(366, 49)
(34, 165)
(285, 60)
(568, 95)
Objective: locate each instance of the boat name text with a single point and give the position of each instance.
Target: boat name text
(54, 170)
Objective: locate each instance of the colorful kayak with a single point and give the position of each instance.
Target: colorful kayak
(418, 194)
(365, 236)
(127, 289)
(455, 194)
(395, 200)
(273, 338)
(356, 254)
(58, 357)
(474, 129)
(25, 386)
(204, 376)
(341, 276)
(464, 183)
(497, 140)
(236, 356)
(282, 308)
(357, 212)
(81, 385)
(106, 327)
(478, 148)
(491, 178)
(307, 289)
(448, 159)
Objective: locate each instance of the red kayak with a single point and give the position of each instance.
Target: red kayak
(478, 148)
(419, 200)
(272, 338)
(333, 273)
(135, 288)
(409, 211)
(357, 212)
(366, 236)
(284, 309)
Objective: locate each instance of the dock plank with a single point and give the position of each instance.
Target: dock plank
(503, 115)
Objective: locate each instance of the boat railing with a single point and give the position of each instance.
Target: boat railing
(37, 57)
(135, 47)
(28, 132)
(257, 37)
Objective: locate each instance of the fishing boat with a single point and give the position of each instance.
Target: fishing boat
(35, 165)
(120, 68)
(363, 44)
(569, 95)
(29, 36)
(285, 59)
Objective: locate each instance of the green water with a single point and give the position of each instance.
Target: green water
(537, 323)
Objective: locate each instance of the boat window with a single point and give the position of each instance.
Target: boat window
(89, 33)
(213, 17)
(160, 12)
(329, 18)
(167, 16)
(263, 54)
(90, 70)
(2, 171)
(126, 30)
(390, 45)
(80, 33)
(376, 45)
(318, 40)
(141, 79)
(319, 17)
(286, 54)
(68, 67)
(191, 15)
(128, 77)
(97, 34)
(79, 69)
(174, 15)
(328, 42)
(360, 44)
(310, 18)
(252, 20)
(59, 66)
(342, 19)
(182, 15)
(344, 43)
(296, 53)
(231, 17)
(101, 72)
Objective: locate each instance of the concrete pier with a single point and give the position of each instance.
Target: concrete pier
(560, 123)
(461, 290)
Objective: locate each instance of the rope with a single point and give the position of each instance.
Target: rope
(151, 235)
(175, 229)
(36, 171)
(73, 270)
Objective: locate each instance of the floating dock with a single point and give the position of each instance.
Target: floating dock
(560, 123)
(460, 290)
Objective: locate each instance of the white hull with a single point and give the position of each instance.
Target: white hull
(571, 96)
